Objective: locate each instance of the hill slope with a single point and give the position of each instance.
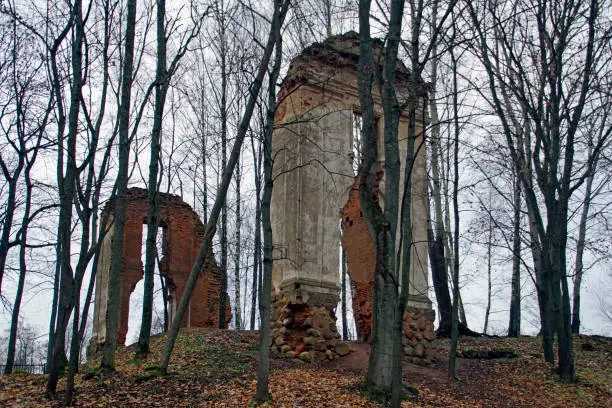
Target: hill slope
(216, 368)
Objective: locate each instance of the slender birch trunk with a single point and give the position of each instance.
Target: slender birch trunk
(222, 192)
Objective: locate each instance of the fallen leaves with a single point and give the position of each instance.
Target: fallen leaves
(217, 368)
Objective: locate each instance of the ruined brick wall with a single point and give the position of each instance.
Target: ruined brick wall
(182, 236)
(361, 260)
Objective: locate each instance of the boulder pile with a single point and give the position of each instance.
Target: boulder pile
(305, 332)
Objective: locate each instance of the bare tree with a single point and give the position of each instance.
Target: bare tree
(163, 77)
(263, 368)
(26, 108)
(384, 368)
(237, 251)
(66, 176)
(112, 313)
(538, 70)
(514, 325)
(280, 9)
(392, 272)
(257, 260)
(598, 126)
(452, 370)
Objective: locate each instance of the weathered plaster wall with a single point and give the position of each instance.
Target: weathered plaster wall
(182, 235)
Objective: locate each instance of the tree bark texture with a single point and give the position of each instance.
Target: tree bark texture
(580, 246)
(112, 313)
(238, 249)
(223, 110)
(257, 239)
(66, 184)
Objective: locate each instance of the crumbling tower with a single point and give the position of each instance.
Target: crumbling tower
(316, 151)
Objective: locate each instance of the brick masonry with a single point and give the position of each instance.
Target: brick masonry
(183, 232)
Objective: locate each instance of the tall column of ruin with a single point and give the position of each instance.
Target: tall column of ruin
(313, 168)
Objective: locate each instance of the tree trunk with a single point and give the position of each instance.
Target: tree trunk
(555, 175)
(161, 87)
(435, 237)
(543, 293)
(237, 311)
(66, 186)
(164, 288)
(75, 349)
(263, 367)
(222, 193)
(10, 355)
(257, 244)
(204, 162)
(452, 368)
(112, 313)
(489, 248)
(580, 244)
(384, 362)
(28, 159)
(223, 111)
(561, 296)
(7, 219)
(440, 277)
(343, 292)
(514, 328)
(54, 305)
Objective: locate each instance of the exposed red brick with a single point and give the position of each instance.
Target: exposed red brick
(182, 237)
(361, 259)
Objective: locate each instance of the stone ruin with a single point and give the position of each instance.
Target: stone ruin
(182, 235)
(315, 146)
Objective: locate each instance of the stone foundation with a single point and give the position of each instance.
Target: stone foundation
(304, 323)
(418, 332)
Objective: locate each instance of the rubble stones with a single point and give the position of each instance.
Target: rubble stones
(313, 333)
(306, 356)
(328, 334)
(309, 341)
(318, 356)
(418, 332)
(320, 345)
(309, 333)
(342, 349)
(302, 331)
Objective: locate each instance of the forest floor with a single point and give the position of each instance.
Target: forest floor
(217, 368)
